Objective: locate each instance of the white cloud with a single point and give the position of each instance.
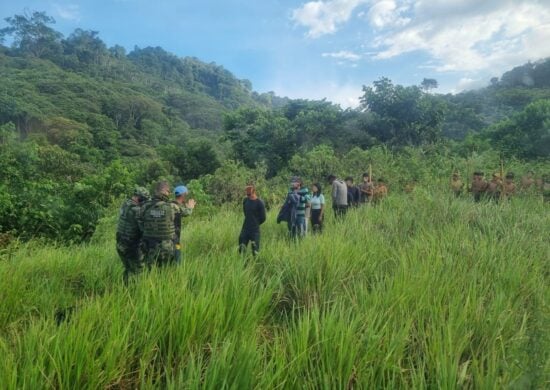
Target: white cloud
(343, 55)
(325, 16)
(464, 36)
(467, 35)
(467, 83)
(346, 95)
(69, 12)
(385, 13)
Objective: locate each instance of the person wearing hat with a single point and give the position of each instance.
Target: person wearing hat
(254, 216)
(494, 187)
(456, 184)
(128, 234)
(184, 209)
(509, 186)
(380, 191)
(528, 181)
(478, 186)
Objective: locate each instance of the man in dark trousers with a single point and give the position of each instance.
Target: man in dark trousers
(128, 234)
(254, 216)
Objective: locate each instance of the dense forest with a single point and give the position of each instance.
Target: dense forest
(80, 123)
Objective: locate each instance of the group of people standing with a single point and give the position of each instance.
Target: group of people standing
(302, 205)
(498, 187)
(149, 229)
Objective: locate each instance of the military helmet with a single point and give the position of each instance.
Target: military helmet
(142, 193)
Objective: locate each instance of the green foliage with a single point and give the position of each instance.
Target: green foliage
(526, 134)
(193, 159)
(72, 110)
(227, 184)
(402, 115)
(261, 136)
(32, 35)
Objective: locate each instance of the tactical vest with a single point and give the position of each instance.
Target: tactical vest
(158, 220)
(128, 220)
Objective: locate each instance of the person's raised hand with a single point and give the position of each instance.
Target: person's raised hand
(191, 204)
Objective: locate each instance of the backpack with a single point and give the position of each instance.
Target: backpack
(288, 209)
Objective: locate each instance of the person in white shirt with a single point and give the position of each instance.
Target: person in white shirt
(317, 208)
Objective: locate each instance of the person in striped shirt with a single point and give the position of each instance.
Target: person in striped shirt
(301, 200)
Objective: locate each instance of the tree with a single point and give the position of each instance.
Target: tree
(428, 84)
(526, 134)
(86, 47)
(260, 136)
(32, 35)
(402, 115)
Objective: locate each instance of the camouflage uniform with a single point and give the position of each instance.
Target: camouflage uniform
(509, 187)
(478, 187)
(159, 231)
(128, 235)
(457, 185)
(494, 188)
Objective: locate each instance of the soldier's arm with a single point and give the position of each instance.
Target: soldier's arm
(185, 211)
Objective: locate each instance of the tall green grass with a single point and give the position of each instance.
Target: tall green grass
(421, 291)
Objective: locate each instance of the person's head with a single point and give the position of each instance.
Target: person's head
(530, 173)
(456, 175)
(162, 189)
(296, 183)
(478, 175)
(140, 195)
(366, 177)
(510, 176)
(331, 179)
(381, 181)
(316, 189)
(496, 176)
(180, 192)
(349, 181)
(250, 191)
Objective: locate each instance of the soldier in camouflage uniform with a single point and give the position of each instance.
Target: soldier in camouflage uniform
(479, 186)
(128, 233)
(509, 187)
(457, 185)
(494, 188)
(158, 226)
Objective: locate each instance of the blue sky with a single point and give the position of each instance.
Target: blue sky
(326, 48)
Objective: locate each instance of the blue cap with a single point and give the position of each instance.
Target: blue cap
(180, 190)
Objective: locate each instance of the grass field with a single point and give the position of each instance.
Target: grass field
(423, 291)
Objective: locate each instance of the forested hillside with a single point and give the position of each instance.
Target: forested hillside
(80, 123)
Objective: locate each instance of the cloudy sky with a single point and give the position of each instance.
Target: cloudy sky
(325, 48)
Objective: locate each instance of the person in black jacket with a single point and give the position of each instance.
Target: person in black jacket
(254, 216)
(354, 194)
